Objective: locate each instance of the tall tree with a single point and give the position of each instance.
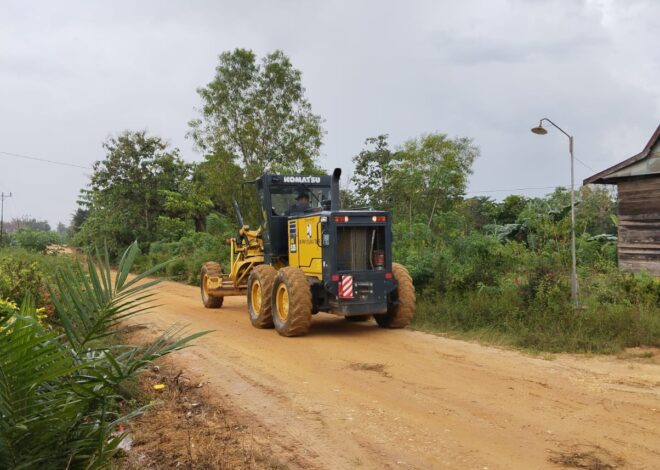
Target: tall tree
(255, 114)
(423, 176)
(508, 211)
(128, 189)
(372, 170)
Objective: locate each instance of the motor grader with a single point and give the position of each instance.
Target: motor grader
(312, 257)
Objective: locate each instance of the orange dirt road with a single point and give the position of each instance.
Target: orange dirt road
(352, 395)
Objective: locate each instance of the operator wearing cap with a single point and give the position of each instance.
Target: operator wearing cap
(301, 205)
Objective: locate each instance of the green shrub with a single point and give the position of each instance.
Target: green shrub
(35, 240)
(187, 255)
(618, 311)
(25, 272)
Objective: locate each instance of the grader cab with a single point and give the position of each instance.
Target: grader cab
(309, 256)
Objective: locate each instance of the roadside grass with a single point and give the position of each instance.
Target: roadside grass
(552, 325)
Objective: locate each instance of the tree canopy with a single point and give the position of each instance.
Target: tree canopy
(255, 114)
(425, 175)
(134, 192)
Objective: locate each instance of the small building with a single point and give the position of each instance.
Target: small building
(638, 184)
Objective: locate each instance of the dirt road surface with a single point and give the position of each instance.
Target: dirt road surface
(351, 395)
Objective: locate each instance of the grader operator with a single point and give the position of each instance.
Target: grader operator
(309, 256)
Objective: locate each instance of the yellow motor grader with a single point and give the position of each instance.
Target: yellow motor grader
(310, 256)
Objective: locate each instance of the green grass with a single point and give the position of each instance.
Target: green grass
(507, 318)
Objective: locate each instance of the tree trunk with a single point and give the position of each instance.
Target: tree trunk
(435, 202)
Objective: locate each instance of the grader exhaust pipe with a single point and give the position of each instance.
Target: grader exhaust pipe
(335, 203)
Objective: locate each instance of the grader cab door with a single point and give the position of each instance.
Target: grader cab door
(305, 249)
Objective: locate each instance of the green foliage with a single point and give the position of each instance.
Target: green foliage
(25, 272)
(373, 166)
(256, 114)
(426, 175)
(255, 118)
(508, 211)
(60, 392)
(141, 191)
(509, 282)
(478, 212)
(35, 240)
(188, 254)
(618, 311)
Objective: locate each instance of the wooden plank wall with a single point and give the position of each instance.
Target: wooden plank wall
(639, 224)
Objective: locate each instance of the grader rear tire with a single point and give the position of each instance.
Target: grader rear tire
(260, 291)
(210, 269)
(291, 302)
(401, 314)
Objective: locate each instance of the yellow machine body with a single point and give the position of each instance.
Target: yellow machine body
(247, 251)
(305, 245)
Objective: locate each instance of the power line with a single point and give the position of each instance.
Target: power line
(584, 164)
(44, 160)
(54, 162)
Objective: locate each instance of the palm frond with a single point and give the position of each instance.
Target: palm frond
(91, 303)
(59, 392)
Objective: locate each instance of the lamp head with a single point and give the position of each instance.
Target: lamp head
(540, 130)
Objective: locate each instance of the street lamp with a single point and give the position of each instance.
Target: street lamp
(540, 130)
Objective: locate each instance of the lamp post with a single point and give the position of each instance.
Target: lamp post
(540, 130)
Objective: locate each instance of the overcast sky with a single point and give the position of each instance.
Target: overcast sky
(74, 73)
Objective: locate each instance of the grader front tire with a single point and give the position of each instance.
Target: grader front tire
(291, 302)
(210, 269)
(259, 296)
(401, 314)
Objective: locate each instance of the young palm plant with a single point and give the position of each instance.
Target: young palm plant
(59, 390)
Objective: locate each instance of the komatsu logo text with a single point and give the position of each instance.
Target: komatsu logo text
(302, 179)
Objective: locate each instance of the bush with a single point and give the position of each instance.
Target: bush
(618, 311)
(35, 240)
(516, 289)
(187, 255)
(24, 273)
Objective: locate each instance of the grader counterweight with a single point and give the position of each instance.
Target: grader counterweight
(309, 256)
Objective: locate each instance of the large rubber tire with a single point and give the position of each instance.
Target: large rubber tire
(291, 302)
(260, 291)
(358, 318)
(209, 269)
(400, 314)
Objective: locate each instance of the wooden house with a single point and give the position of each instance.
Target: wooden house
(638, 183)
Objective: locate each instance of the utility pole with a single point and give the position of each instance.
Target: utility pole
(3, 196)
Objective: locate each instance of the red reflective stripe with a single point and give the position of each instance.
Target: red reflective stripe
(346, 287)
